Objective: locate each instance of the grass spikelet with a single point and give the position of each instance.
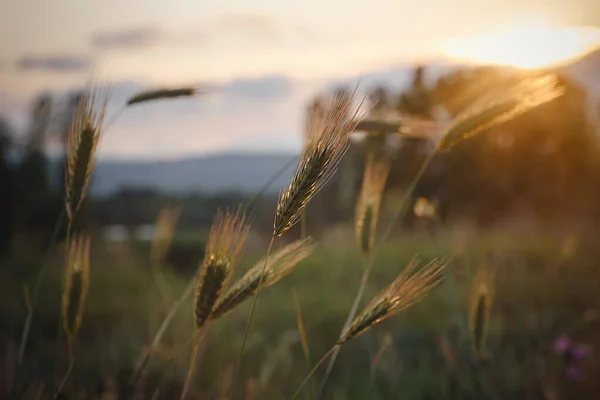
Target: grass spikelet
(480, 306)
(327, 141)
(164, 228)
(161, 93)
(77, 281)
(225, 241)
(408, 288)
(498, 108)
(83, 139)
(279, 265)
(369, 201)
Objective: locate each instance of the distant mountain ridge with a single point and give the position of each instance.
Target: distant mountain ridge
(244, 173)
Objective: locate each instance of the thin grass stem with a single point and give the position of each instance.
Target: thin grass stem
(312, 371)
(247, 329)
(37, 286)
(371, 260)
(64, 379)
(167, 321)
(349, 318)
(198, 336)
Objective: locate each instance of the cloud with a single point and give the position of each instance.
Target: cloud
(258, 25)
(136, 37)
(265, 88)
(239, 27)
(54, 63)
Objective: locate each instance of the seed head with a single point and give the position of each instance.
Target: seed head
(408, 288)
(279, 265)
(480, 306)
(164, 228)
(77, 281)
(327, 141)
(162, 93)
(369, 201)
(226, 239)
(498, 108)
(83, 139)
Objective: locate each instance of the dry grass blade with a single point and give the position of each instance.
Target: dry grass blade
(480, 306)
(301, 329)
(279, 265)
(83, 139)
(77, 281)
(327, 141)
(226, 239)
(502, 107)
(408, 288)
(164, 229)
(162, 93)
(369, 201)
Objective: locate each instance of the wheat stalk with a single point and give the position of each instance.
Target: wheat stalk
(226, 239)
(327, 140)
(164, 229)
(77, 281)
(497, 108)
(161, 93)
(279, 265)
(328, 136)
(83, 138)
(408, 288)
(480, 306)
(369, 201)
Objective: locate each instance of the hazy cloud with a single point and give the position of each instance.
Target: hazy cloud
(54, 63)
(265, 88)
(129, 38)
(255, 27)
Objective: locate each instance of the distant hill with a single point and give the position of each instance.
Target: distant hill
(211, 174)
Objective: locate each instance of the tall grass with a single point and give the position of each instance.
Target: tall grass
(215, 296)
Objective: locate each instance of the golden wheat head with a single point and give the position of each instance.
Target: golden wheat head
(369, 201)
(327, 140)
(161, 93)
(83, 138)
(498, 108)
(480, 306)
(408, 288)
(164, 229)
(225, 241)
(77, 281)
(278, 266)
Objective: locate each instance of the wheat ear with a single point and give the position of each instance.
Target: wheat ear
(161, 93)
(408, 288)
(480, 306)
(83, 138)
(328, 138)
(77, 281)
(225, 241)
(279, 265)
(369, 201)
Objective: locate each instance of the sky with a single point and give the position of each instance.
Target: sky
(267, 58)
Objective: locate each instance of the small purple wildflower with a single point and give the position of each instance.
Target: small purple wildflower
(572, 356)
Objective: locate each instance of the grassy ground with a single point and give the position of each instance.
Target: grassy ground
(544, 287)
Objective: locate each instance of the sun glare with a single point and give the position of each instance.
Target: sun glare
(532, 45)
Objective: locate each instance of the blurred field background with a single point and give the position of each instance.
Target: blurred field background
(521, 199)
(529, 209)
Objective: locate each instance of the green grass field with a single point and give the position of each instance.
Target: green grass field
(544, 287)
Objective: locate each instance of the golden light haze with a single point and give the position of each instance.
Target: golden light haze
(529, 43)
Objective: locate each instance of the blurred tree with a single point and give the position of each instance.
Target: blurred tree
(36, 204)
(416, 99)
(6, 188)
